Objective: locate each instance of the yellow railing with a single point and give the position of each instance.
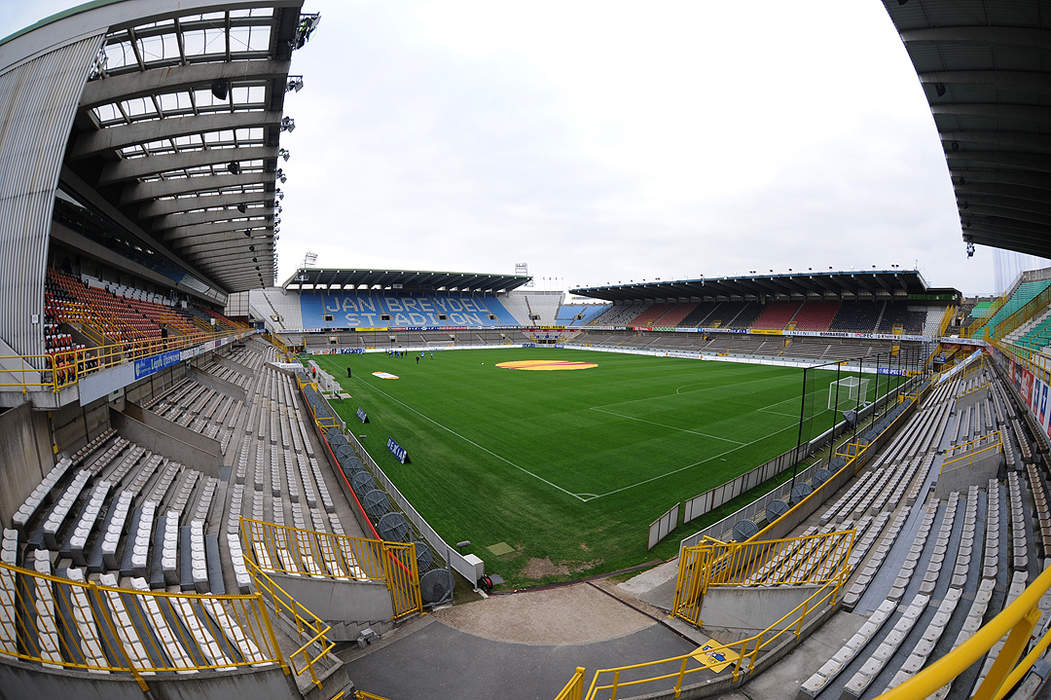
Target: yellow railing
(83, 625)
(574, 689)
(1029, 310)
(976, 388)
(1016, 622)
(677, 670)
(279, 549)
(947, 317)
(58, 370)
(969, 450)
(362, 695)
(311, 629)
(975, 329)
(787, 561)
(286, 352)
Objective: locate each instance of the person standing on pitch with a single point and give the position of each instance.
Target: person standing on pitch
(417, 359)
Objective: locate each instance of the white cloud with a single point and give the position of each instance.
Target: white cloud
(615, 140)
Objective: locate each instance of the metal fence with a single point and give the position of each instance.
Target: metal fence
(297, 552)
(83, 625)
(660, 527)
(756, 510)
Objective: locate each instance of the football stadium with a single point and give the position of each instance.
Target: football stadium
(218, 481)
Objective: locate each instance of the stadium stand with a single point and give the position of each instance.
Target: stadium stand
(859, 316)
(649, 316)
(776, 315)
(816, 315)
(675, 315)
(578, 314)
(1023, 293)
(366, 309)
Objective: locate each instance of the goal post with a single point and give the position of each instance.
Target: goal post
(843, 395)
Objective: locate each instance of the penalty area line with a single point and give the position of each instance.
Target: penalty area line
(689, 466)
(663, 425)
(482, 448)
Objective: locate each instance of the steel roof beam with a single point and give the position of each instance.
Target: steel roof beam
(994, 110)
(178, 78)
(962, 175)
(141, 191)
(1006, 213)
(1028, 81)
(133, 168)
(1012, 140)
(180, 233)
(174, 221)
(1022, 37)
(1008, 159)
(219, 236)
(166, 208)
(116, 137)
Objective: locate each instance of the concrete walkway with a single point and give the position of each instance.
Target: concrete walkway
(435, 660)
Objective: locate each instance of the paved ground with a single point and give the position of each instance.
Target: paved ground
(435, 660)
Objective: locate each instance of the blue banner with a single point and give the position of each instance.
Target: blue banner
(151, 365)
(363, 417)
(397, 450)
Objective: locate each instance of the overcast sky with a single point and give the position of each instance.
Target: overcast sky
(605, 141)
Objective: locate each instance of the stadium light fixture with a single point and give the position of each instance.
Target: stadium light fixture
(234, 167)
(242, 207)
(248, 233)
(221, 88)
(295, 83)
(288, 124)
(284, 154)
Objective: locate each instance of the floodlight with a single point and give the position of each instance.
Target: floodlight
(242, 207)
(234, 167)
(294, 83)
(288, 124)
(284, 154)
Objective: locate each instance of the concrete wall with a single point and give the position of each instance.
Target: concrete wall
(22, 682)
(25, 456)
(732, 613)
(163, 444)
(221, 385)
(173, 430)
(346, 606)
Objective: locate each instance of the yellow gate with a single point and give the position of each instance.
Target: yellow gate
(689, 589)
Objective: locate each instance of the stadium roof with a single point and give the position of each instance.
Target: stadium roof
(178, 127)
(877, 283)
(985, 66)
(340, 278)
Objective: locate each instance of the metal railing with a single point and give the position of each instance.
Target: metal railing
(65, 623)
(1016, 622)
(967, 451)
(55, 371)
(947, 317)
(741, 655)
(311, 630)
(574, 689)
(279, 549)
(1028, 311)
(787, 561)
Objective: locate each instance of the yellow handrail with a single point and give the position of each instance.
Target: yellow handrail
(87, 607)
(950, 312)
(55, 371)
(291, 551)
(307, 624)
(1017, 622)
(574, 689)
(746, 650)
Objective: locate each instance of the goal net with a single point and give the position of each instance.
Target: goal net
(844, 394)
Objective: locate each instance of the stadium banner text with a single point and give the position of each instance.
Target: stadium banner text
(397, 450)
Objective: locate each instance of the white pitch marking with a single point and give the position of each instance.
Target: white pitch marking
(662, 425)
(480, 447)
(690, 466)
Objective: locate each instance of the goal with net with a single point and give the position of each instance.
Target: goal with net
(843, 395)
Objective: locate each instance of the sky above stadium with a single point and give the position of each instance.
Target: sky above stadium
(605, 142)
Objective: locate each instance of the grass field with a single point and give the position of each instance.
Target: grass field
(568, 468)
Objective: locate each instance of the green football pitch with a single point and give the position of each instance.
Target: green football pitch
(564, 470)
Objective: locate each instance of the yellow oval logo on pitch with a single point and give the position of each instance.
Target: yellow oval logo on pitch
(546, 365)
